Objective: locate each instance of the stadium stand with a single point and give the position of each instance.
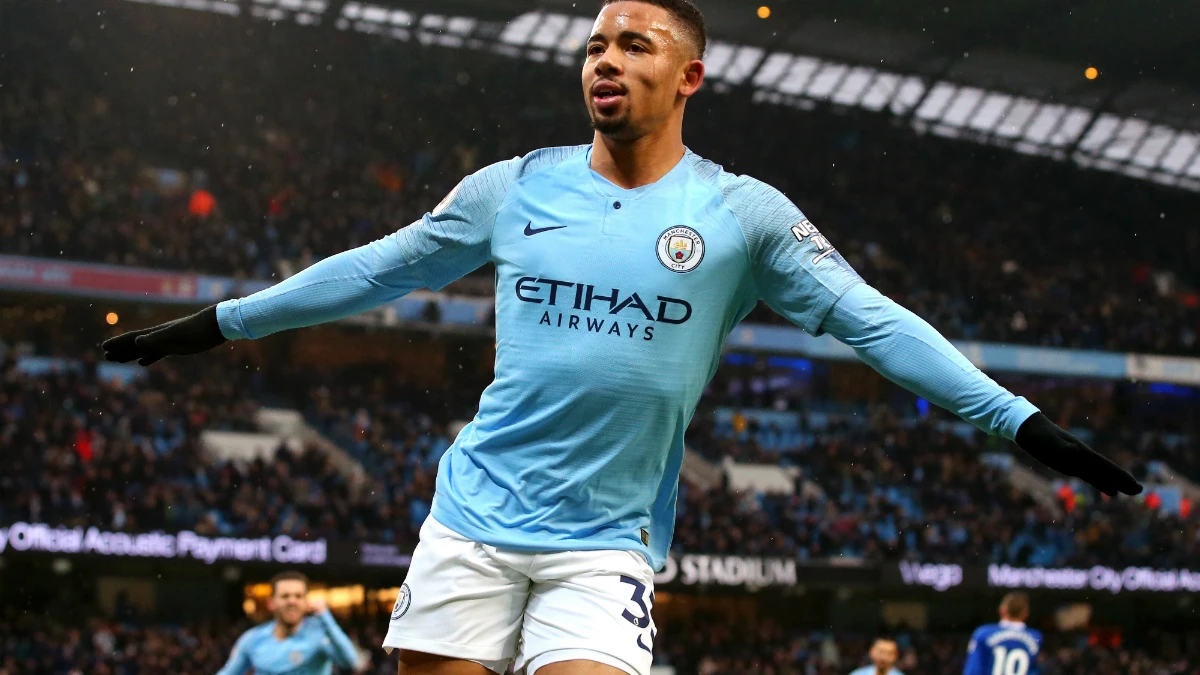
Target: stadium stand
(126, 455)
(228, 154)
(706, 646)
(243, 185)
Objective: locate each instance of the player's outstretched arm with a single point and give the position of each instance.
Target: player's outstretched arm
(443, 246)
(801, 276)
(908, 351)
(341, 648)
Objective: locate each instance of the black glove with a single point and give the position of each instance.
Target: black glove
(193, 334)
(1064, 453)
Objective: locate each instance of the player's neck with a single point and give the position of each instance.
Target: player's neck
(284, 631)
(631, 164)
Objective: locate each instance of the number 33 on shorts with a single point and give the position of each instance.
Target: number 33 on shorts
(642, 619)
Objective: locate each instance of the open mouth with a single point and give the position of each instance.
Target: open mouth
(607, 93)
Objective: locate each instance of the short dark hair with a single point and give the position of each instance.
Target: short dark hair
(687, 13)
(1015, 605)
(290, 575)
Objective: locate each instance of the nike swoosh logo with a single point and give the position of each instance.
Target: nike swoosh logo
(529, 231)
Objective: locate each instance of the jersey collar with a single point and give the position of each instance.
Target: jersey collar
(1012, 624)
(611, 190)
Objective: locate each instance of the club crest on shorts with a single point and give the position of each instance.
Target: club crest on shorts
(403, 600)
(680, 248)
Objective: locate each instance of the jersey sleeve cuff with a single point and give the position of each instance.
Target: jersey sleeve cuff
(1019, 411)
(229, 319)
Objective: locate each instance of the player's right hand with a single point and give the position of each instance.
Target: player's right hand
(193, 334)
(1059, 450)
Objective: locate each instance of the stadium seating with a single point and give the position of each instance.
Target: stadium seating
(280, 174)
(125, 454)
(704, 645)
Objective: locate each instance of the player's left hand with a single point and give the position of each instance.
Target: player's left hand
(316, 606)
(193, 334)
(1051, 445)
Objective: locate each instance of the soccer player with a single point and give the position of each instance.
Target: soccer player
(884, 654)
(1008, 647)
(303, 639)
(621, 267)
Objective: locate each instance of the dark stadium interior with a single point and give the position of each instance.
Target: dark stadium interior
(211, 148)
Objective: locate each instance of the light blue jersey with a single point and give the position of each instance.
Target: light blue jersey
(611, 309)
(314, 649)
(1005, 648)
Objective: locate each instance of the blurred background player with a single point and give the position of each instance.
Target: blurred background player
(303, 638)
(1008, 647)
(884, 654)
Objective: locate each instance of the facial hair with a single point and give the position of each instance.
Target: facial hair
(609, 126)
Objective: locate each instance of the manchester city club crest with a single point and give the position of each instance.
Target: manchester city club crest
(680, 248)
(403, 600)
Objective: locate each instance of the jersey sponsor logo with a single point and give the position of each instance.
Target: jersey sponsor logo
(634, 312)
(806, 230)
(403, 600)
(296, 657)
(680, 248)
(530, 231)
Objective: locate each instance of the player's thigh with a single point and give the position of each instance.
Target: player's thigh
(420, 663)
(577, 667)
(458, 601)
(589, 606)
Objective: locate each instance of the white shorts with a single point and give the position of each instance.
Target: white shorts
(496, 607)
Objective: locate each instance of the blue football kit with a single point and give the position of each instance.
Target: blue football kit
(314, 649)
(1005, 648)
(612, 306)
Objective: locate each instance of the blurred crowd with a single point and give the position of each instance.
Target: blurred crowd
(82, 450)
(888, 491)
(32, 644)
(896, 480)
(253, 152)
(868, 482)
(758, 646)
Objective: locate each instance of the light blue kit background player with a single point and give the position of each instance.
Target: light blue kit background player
(621, 267)
(301, 639)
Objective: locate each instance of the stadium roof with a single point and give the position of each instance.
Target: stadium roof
(1143, 50)
(1010, 74)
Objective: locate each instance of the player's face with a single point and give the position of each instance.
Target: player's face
(636, 67)
(884, 654)
(289, 601)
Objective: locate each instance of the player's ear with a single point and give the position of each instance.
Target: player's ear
(692, 76)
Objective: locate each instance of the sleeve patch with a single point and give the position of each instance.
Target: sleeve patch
(806, 230)
(447, 200)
